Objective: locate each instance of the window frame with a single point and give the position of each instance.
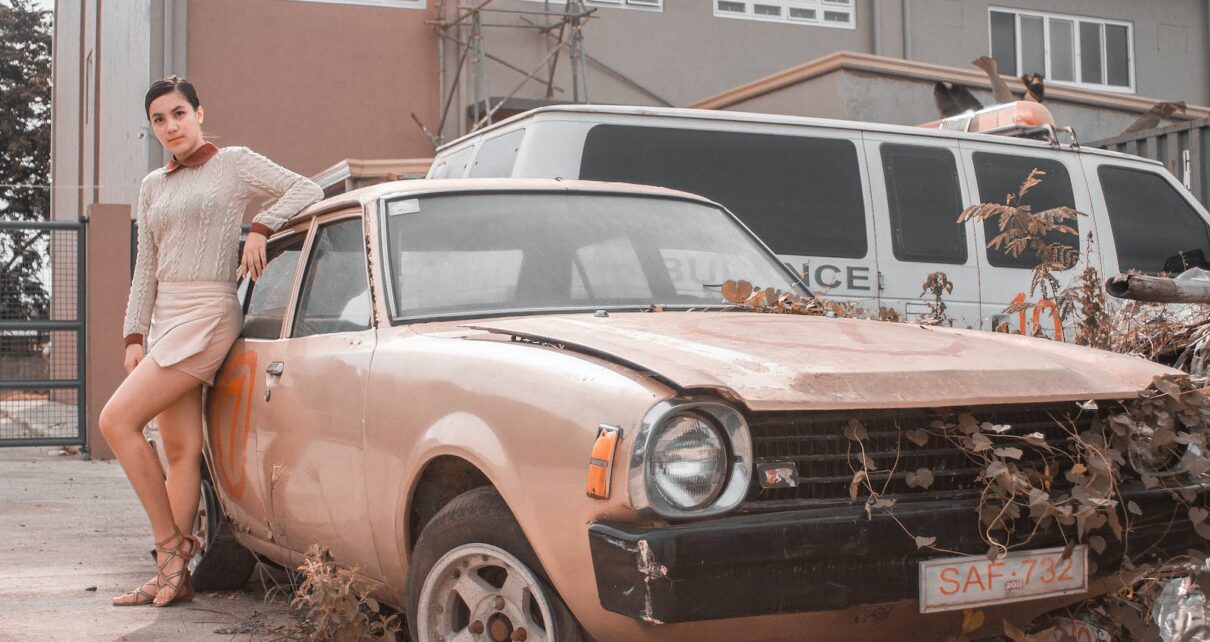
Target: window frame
(1077, 70)
(247, 285)
(640, 5)
(385, 4)
(844, 6)
(314, 229)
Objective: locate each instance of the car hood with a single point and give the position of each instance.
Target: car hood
(781, 362)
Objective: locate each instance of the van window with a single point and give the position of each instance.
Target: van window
(1154, 228)
(497, 155)
(924, 199)
(800, 195)
(999, 175)
(452, 165)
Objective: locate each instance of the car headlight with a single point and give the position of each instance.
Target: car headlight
(691, 459)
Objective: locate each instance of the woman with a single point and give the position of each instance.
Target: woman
(182, 297)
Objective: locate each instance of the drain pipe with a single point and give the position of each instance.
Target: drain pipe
(877, 32)
(907, 29)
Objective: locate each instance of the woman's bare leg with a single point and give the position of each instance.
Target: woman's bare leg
(180, 428)
(145, 393)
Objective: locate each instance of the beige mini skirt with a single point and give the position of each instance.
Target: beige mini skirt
(193, 326)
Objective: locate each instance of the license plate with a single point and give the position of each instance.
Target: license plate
(964, 582)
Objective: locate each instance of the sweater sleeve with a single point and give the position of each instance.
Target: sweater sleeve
(293, 192)
(143, 284)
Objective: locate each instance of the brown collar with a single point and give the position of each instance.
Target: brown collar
(199, 156)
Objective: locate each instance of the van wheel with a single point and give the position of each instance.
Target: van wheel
(473, 575)
(222, 564)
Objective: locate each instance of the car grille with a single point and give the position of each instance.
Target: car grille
(826, 460)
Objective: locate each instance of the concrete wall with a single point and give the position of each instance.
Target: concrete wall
(310, 83)
(684, 53)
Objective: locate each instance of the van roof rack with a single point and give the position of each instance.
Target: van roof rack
(1020, 119)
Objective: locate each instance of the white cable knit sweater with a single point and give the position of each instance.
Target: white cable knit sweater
(189, 222)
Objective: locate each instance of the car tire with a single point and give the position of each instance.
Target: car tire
(222, 564)
(473, 550)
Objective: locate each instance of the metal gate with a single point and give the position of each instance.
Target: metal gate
(42, 333)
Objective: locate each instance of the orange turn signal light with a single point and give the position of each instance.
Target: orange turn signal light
(600, 465)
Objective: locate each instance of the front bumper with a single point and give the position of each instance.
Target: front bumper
(821, 560)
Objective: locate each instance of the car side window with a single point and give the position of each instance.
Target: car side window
(335, 295)
(270, 294)
(497, 156)
(452, 165)
(1154, 228)
(999, 175)
(924, 199)
(801, 195)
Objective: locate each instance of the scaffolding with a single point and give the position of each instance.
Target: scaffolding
(560, 24)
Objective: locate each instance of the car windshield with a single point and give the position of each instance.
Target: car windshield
(502, 253)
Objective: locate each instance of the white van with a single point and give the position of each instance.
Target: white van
(863, 211)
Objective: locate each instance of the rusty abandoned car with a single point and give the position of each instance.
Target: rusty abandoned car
(523, 409)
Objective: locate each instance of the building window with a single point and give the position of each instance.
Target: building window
(656, 5)
(824, 13)
(1085, 52)
(398, 4)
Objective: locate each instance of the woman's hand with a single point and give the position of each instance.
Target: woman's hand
(253, 261)
(134, 354)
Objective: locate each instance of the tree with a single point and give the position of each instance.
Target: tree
(25, 112)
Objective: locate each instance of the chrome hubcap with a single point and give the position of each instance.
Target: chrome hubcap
(479, 592)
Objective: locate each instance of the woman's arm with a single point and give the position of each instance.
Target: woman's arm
(294, 193)
(143, 284)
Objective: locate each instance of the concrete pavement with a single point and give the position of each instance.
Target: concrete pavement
(68, 525)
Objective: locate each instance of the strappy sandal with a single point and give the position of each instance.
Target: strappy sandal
(139, 596)
(176, 586)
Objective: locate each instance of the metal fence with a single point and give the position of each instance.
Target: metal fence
(42, 333)
(1183, 148)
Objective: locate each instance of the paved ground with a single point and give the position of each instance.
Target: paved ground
(67, 526)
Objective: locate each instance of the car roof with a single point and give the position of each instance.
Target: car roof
(365, 196)
(714, 115)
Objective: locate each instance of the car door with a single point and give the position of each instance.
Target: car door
(236, 412)
(315, 386)
(997, 170)
(918, 191)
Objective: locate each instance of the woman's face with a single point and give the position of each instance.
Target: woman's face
(177, 125)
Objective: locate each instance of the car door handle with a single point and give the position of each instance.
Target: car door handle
(276, 368)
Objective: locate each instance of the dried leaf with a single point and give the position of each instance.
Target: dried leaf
(979, 442)
(919, 437)
(1198, 515)
(736, 291)
(1134, 508)
(855, 431)
(922, 479)
(972, 620)
(856, 483)
(1008, 453)
(1097, 543)
(922, 542)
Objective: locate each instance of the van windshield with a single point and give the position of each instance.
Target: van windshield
(492, 254)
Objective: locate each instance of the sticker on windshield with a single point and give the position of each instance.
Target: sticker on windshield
(408, 206)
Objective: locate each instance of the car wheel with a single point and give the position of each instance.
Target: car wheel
(473, 575)
(221, 564)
